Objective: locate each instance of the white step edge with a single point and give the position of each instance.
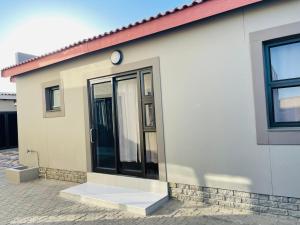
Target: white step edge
(85, 193)
(143, 184)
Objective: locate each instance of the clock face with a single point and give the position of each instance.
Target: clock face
(116, 57)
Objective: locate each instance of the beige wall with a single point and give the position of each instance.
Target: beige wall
(7, 105)
(208, 108)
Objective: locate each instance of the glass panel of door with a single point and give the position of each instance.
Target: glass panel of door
(130, 155)
(104, 157)
(120, 140)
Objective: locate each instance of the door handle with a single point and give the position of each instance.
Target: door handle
(92, 135)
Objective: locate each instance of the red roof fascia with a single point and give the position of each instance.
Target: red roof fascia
(145, 28)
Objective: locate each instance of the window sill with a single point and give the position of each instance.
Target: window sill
(54, 113)
(53, 110)
(284, 129)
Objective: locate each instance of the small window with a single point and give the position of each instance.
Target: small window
(147, 96)
(147, 84)
(149, 115)
(283, 82)
(53, 98)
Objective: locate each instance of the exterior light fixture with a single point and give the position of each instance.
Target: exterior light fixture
(116, 57)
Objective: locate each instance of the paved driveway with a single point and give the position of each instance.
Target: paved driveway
(38, 202)
(9, 158)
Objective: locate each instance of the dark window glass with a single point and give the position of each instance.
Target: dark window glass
(151, 155)
(103, 122)
(53, 98)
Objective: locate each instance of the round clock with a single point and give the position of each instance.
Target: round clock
(116, 57)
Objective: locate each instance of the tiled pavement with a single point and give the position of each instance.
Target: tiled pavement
(38, 202)
(9, 158)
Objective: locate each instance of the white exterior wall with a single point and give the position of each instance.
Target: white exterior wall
(208, 105)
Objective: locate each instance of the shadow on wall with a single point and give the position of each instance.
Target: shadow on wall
(210, 179)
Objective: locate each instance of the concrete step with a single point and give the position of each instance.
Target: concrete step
(147, 185)
(132, 200)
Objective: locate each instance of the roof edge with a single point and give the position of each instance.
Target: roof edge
(7, 96)
(162, 22)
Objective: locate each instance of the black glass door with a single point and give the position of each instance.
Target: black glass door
(123, 128)
(102, 132)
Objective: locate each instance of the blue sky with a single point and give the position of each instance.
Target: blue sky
(39, 26)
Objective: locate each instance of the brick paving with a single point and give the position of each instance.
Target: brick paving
(9, 158)
(38, 202)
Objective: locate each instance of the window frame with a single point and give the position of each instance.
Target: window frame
(49, 98)
(271, 84)
(114, 71)
(147, 100)
(143, 100)
(264, 134)
(49, 112)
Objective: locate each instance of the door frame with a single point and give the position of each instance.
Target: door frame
(108, 72)
(92, 129)
(121, 77)
(114, 79)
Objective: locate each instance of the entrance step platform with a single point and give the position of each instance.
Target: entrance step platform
(112, 191)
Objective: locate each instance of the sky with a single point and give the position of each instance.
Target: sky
(40, 26)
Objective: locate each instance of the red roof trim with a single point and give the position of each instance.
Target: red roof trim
(179, 16)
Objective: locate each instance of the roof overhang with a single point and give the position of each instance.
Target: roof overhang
(7, 96)
(165, 22)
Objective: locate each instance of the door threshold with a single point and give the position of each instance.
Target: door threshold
(144, 184)
(124, 175)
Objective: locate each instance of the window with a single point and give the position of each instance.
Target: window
(147, 83)
(149, 115)
(149, 125)
(53, 98)
(276, 84)
(282, 76)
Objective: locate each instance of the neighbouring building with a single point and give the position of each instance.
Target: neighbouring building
(8, 121)
(204, 98)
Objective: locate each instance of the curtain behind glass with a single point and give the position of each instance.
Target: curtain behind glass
(128, 120)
